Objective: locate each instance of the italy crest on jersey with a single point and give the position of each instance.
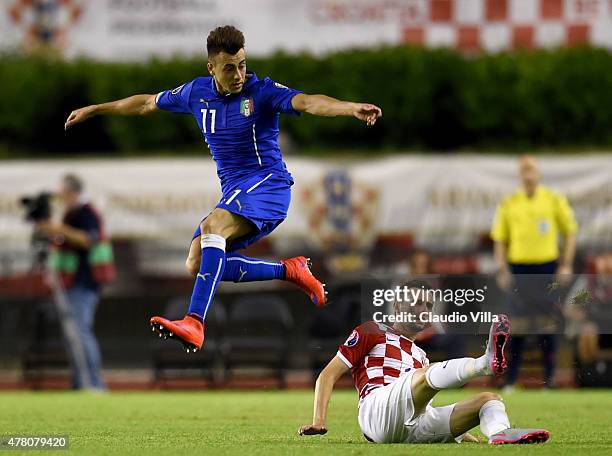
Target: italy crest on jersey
(247, 107)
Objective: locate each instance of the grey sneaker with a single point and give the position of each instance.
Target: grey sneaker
(496, 345)
(520, 436)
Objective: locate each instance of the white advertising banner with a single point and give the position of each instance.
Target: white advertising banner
(444, 202)
(139, 29)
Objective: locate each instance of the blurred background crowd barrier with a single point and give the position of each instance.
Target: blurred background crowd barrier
(491, 77)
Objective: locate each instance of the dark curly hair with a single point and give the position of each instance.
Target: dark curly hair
(224, 39)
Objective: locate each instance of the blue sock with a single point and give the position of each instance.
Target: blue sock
(239, 268)
(211, 271)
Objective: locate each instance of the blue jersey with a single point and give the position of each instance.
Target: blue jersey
(241, 129)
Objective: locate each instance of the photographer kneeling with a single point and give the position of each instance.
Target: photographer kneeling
(83, 258)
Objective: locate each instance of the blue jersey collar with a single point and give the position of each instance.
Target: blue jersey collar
(251, 78)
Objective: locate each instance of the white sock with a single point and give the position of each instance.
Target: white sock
(482, 366)
(456, 372)
(493, 418)
(212, 240)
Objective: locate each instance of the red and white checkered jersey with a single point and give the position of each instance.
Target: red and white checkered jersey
(378, 355)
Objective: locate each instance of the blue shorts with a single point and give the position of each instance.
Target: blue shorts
(263, 199)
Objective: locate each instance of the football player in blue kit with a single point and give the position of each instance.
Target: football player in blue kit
(238, 114)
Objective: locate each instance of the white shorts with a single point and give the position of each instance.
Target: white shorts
(386, 416)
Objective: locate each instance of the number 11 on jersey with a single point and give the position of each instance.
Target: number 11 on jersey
(213, 114)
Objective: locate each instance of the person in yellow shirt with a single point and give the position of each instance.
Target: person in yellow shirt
(526, 232)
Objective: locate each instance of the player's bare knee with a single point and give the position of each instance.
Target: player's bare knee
(487, 396)
(209, 226)
(419, 382)
(215, 224)
(419, 379)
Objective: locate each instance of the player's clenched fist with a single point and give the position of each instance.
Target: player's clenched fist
(312, 429)
(367, 113)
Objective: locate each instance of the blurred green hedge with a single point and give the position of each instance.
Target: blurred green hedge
(432, 99)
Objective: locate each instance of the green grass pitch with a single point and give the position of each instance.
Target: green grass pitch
(265, 423)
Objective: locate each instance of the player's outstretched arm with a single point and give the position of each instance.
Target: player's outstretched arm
(323, 391)
(322, 105)
(136, 105)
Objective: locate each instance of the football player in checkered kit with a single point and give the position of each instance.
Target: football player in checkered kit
(397, 383)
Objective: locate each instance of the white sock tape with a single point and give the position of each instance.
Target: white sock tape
(212, 240)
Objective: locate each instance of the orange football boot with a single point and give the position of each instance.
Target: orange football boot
(189, 331)
(297, 271)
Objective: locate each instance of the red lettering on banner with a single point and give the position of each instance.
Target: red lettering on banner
(413, 12)
(355, 11)
(586, 9)
(373, 14)
(335, 12)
